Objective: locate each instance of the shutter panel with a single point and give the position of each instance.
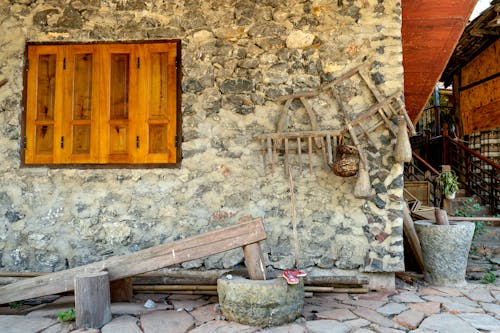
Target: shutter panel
(119, 97)
(158, 104)
(81, 105)
(43, 104)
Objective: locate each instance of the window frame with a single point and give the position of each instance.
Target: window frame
(177, 145)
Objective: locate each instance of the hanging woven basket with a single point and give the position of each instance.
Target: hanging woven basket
(345, 164)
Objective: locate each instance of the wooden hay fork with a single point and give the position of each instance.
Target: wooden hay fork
(247, 234)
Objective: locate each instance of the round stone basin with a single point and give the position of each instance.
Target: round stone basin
(260, 302)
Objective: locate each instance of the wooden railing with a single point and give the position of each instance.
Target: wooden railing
(478, 174)
(419, 169)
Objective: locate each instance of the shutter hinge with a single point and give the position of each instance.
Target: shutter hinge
(27, 65)
(177, 62)
(64, 63)
(25, 142)
(137, 141)
(138, 63)
(62, 141)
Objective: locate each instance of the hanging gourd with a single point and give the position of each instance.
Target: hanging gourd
(363, 188)
(403, 146)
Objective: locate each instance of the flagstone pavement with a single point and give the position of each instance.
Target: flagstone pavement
(423, 309)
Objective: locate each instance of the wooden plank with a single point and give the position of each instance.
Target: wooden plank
(346, 75)
(301, 134)
(141, 261)
(297, 95)
(411, 236)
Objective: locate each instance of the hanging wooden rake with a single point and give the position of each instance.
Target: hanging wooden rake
(379, 114)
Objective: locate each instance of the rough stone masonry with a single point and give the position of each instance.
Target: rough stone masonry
(237, 58)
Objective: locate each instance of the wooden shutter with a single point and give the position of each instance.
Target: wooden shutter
(81, 104)
(101, 104)
(118, 87)
(158, 103)
(43, 104)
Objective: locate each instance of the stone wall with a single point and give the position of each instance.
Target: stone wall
(237, 57)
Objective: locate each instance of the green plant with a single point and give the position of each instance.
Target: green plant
(68, 315)
(448, 182)
(488, 278)
(15, 305)
(470, 207)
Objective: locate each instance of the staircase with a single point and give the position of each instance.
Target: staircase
(478, 197)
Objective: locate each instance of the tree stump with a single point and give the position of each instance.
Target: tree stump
(92, 300)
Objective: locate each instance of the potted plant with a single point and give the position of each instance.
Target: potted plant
(448, 184)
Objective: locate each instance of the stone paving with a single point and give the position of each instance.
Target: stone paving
(423, 309)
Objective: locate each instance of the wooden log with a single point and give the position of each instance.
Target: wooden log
(170, 288)
(92, 300)
(142, 261)
(441, 216)
(178, 289)
(411, 235)
(335, 280)
(360, 290)
(254, 261)
(121, 290)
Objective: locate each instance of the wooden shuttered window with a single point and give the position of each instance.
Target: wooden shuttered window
(102, 104)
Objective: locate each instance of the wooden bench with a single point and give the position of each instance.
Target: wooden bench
(246, 234)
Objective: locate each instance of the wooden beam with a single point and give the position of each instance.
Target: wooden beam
(412, 237)
(141, 261)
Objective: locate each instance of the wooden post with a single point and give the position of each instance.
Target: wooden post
(92, 301)
(446, 154)
(441, 216)
(411, 234)
(254, 261)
